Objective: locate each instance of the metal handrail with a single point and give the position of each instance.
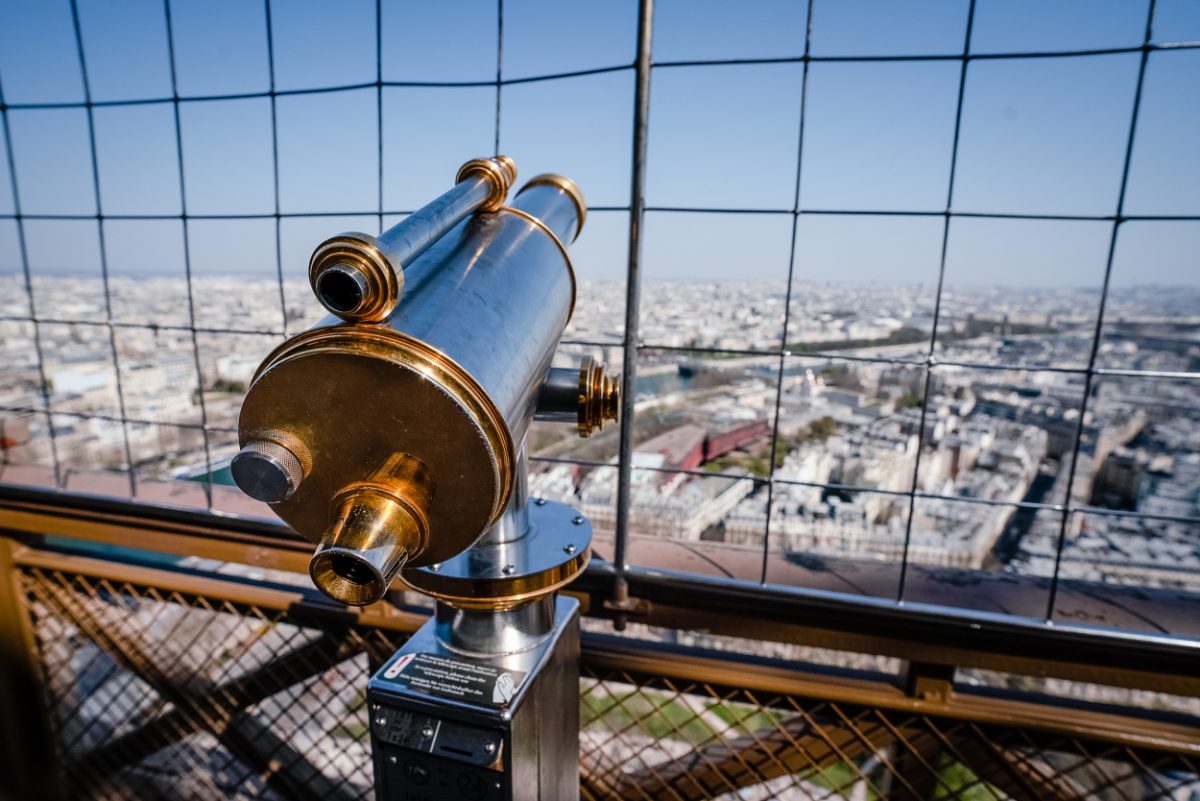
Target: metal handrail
(650, 663)
(913, 631)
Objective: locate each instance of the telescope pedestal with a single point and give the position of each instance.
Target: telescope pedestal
(445, 725)
(483, 701)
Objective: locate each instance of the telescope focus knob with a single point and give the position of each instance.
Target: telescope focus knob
(267, 471)
(599, 397)
(587, 397)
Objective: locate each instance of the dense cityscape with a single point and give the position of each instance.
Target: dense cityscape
(848, 431)
(994, 434)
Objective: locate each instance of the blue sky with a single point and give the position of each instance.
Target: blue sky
(1039, 136)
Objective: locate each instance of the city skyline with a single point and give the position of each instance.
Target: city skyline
(1002, 412)
(829, 249)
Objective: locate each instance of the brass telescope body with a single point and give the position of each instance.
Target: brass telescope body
(391, 432)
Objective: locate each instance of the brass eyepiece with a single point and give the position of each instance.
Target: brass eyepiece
(378, 525)
(599, 397)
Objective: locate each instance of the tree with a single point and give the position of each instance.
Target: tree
(225, 385)
(822, 429)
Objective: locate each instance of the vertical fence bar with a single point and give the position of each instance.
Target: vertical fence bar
(187, 257)
(1095, 350)
(930, 360)
(379, 107)
(499, 72)
(27, 275)
(275, 163)
(787, 296)
(633, 279)
(108, 315)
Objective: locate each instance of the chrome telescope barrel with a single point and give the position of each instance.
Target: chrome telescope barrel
(360, 278)
(496, 293)
(396, 443)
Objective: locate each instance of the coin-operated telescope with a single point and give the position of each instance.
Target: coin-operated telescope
(392, 435)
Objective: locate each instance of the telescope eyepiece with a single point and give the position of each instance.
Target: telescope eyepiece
(378, 524)
(351, 569)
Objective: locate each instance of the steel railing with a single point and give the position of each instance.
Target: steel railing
(191, 680)
(915, 631)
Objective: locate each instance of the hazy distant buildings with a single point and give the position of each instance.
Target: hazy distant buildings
(852, 437)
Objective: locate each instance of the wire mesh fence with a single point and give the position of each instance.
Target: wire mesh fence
(207, 332)
(159, 693)
(154, 693)
(646, 737)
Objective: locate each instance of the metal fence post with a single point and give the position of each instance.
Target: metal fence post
(633, 287)
(28, 759)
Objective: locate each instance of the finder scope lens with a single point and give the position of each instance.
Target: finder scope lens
(341, 288)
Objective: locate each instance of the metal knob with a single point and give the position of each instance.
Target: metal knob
(267, 471)
(587, 396)
(599, 397)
